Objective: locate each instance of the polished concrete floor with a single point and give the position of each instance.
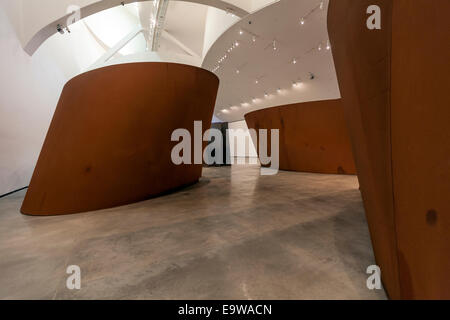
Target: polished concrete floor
(235, 235)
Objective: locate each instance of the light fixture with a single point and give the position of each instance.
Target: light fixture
(254, 39)
(60, 29)
(320, 47)
(254, 100)
(274, 45)
(256, 81)
(236, 44)
(225, 111)
(302, 21)
(266, 95)
(237, 71)
(241, 32)
(297, 83)
(294, 61)
(321, 5)
(328, 45)
(279, 90)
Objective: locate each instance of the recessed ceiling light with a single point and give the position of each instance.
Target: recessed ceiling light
(297, 84)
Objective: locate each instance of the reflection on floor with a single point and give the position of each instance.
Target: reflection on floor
(235, 235)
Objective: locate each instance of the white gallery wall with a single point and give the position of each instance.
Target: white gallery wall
(30, 88)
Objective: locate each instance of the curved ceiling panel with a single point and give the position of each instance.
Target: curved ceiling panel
(40, 19)
(275, 56)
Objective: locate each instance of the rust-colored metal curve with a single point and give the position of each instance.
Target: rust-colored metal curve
(109, 142)
(394, 85)
(313, 136)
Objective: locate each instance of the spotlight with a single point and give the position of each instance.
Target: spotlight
(60, 29)
(297, 83)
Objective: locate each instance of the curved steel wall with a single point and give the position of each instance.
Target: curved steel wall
(394, 85)
(313, 136)
(109, 142)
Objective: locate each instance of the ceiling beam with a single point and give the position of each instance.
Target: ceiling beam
(178, 43)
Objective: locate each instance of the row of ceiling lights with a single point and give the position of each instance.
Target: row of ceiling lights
(295, 84)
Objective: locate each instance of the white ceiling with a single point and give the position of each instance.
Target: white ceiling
(274, 69)
(186, 21)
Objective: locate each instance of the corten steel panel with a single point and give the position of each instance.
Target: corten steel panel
(313, 136)
(394, 87)
(109, 142)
